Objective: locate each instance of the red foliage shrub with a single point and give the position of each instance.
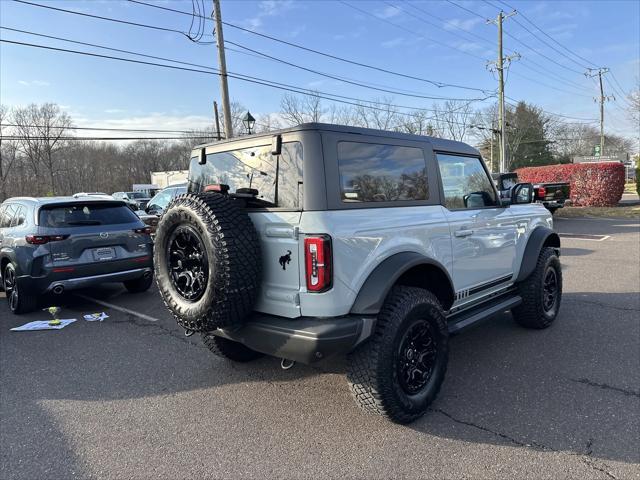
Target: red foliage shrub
(592, 184)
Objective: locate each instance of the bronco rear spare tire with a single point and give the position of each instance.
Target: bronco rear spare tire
(207, 261)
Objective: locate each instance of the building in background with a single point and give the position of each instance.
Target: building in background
(164, 179)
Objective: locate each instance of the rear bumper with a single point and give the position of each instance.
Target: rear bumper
(305, 339)
(50, 283)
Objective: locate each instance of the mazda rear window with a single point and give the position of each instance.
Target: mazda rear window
(83, 214)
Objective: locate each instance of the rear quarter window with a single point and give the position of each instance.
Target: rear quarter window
(79, 214)
(372, 172)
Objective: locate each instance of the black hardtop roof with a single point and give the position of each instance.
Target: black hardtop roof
(438, 144)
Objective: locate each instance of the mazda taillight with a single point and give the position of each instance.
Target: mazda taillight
(143, 230)
(542, 193)
(317, 258)
(42, 239)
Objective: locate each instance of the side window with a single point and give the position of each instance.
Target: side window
(3, 209)
(19, 216)
(372, 172)
(7, 215)
(465, 182)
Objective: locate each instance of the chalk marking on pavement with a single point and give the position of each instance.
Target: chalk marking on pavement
(117, 307)
(585, 236)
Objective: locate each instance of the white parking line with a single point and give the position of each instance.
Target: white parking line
(585, 236)
(117, 307)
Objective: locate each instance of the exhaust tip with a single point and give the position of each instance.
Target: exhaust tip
(58, 289)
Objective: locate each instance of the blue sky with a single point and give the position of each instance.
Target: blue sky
(429, 39)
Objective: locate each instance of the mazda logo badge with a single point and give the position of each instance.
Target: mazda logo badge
(104, 235)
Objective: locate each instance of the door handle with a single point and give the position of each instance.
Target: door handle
(463, 232)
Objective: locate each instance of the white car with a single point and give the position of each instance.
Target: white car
(323, 239)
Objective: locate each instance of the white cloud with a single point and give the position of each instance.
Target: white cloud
(394, 42)
(114, 110)
(468, 46)
(158, 120)
(388, 12)
(463, 24)
(268, 8)
(34, 83)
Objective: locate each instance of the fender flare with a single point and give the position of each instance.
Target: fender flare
(374, 290)
(538, 238)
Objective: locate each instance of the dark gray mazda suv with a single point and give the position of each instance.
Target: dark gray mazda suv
(63, 243)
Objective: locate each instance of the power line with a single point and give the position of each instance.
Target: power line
(18, 137)
(584, 120)
(325, 54)
(589, 62)
(467, 10)
(368, 104)
(342, 79)
(419, 35)
(106, 129)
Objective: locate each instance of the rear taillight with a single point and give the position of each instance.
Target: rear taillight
(42, 239)
(542, 192)
(144, 230)
(317, 257)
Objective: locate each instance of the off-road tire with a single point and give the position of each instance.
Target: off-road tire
(232, 248)
(25, 301)
(531, 312)
(225, 348)
(139, 285)
(372, 367)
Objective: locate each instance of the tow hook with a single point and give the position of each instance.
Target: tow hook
(287, 364)
(188, 333)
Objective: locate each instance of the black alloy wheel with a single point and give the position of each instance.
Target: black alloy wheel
(550, 290)
(188, 263)
(416, 357)
(11, 288)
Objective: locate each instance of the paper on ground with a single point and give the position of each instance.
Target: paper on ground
(95, 317)
(43, 325)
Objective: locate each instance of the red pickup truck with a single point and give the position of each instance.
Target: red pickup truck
(552, 195)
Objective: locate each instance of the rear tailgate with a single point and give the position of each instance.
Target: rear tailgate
(91, 243)
(552, 192)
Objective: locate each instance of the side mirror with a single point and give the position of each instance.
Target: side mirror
(521, 193)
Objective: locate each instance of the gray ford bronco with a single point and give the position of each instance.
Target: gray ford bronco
(322, 239)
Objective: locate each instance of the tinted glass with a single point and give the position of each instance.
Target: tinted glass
(86, 214)
(18, 217)
(256, 168)
(6, 215)
(136, 195)
(465, 182)
(381, 173)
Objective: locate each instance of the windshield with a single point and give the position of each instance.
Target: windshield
(86, 214)
(136, 195)
(254, 168)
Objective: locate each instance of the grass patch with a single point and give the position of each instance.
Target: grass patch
(632, 211)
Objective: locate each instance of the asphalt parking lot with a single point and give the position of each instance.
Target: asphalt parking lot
(132, 397)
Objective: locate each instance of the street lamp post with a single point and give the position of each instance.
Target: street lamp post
(248, 121)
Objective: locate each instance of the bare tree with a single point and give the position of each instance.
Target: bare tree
(453, 119)
(42, 130)
(296, 110)
(8, 150)
(238, 111)
(634, 105)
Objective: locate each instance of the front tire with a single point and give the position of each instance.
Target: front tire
(541, 292)
(398, 372)
(225, 348)
(19, 298)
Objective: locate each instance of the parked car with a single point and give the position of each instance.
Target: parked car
(552, 195)
(136, 200)
(159, 202)
(62, 243)
(322, 239)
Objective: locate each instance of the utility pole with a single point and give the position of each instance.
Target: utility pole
(222, 65)
(602, 99)
(215, 115)
(499, 65)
